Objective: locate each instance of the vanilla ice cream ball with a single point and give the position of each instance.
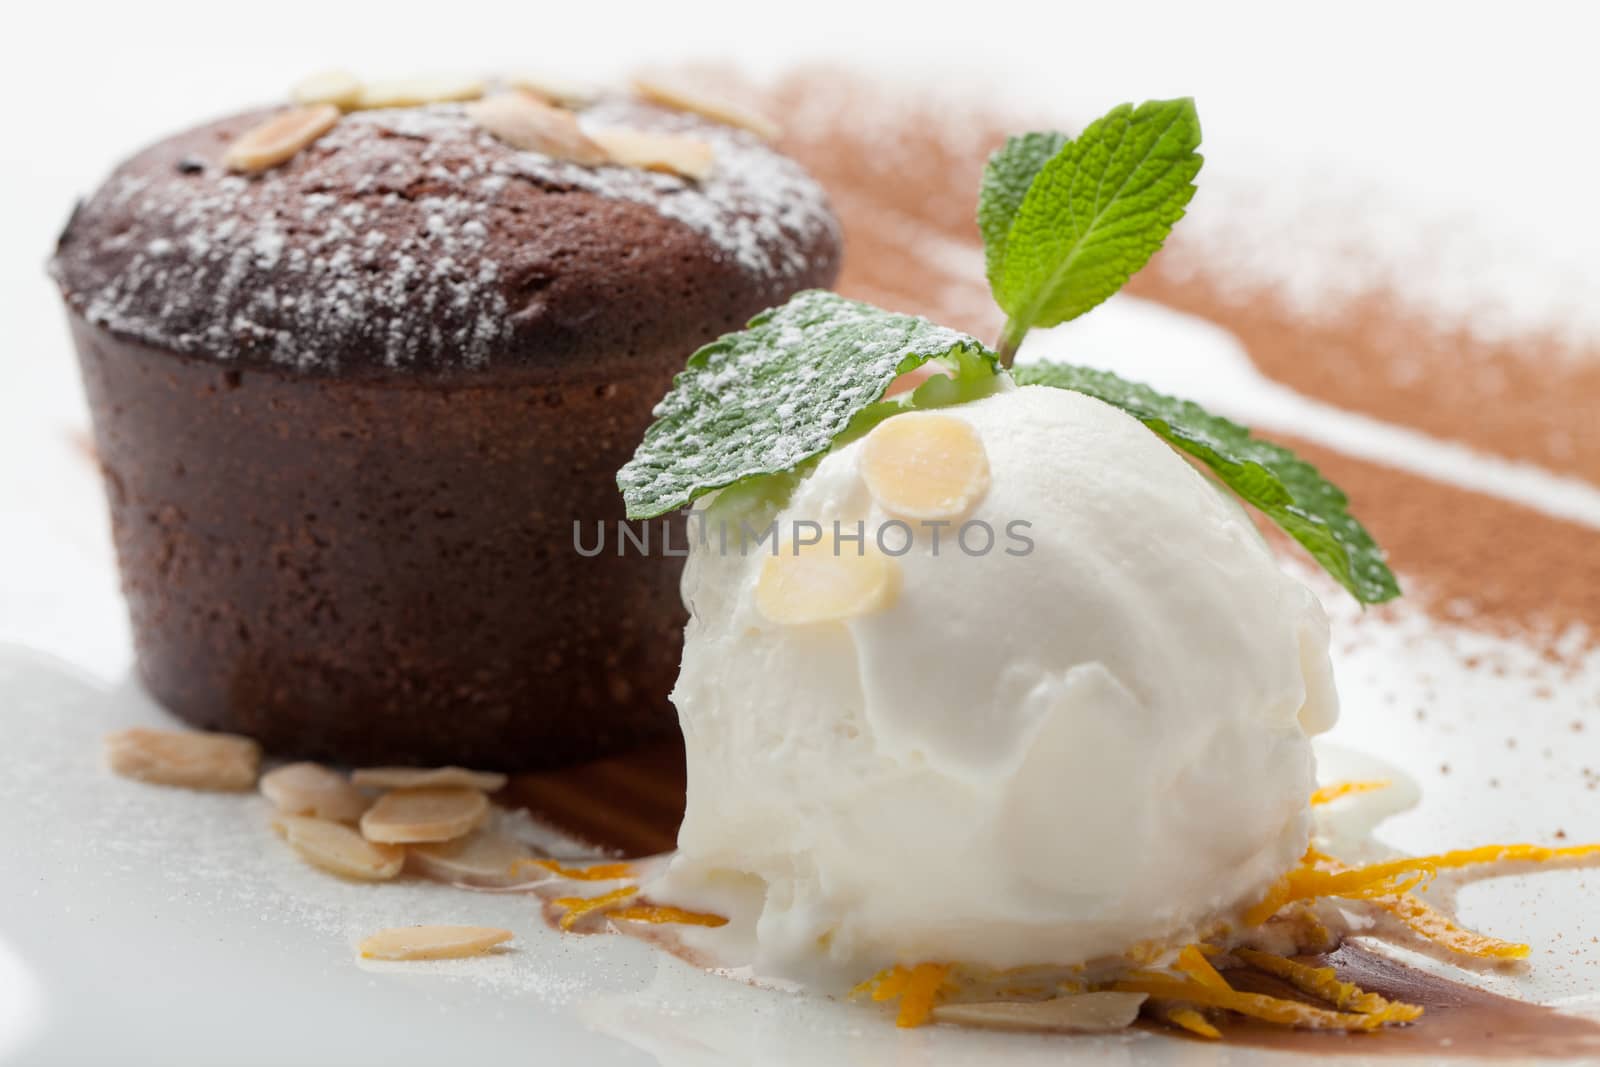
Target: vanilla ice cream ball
(1021, 755)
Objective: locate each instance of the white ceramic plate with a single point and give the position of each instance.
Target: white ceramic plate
(146, 925)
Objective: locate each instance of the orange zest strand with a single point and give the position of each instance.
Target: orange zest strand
(578, 907)
(922, 988)
(1337, 790)
(1191, 1020)
(1427, 922)
(664, 913)
(1259, 1006)
(1384, 879)
(885, 985)
(598, 872)
(1192, 962)
(1433, 925)
(1319, 982)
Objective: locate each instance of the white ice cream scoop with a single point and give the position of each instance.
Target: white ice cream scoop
(1079, 726)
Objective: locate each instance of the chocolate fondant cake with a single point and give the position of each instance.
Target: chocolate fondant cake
(350, 403)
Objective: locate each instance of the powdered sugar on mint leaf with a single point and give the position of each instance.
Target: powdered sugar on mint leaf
(770, 397)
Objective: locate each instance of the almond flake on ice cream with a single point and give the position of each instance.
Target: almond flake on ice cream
(925, 466)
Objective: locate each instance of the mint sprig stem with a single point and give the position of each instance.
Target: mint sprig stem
(1010, 341)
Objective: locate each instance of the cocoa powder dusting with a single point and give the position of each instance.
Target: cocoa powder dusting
(903, 173)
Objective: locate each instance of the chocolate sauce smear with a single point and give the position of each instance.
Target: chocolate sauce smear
(629, 805)
(1457, 1019)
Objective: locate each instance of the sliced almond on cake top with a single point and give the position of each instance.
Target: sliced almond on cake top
(530, 125)
(425, 777)
(335, 847)
(312, 789)
(406, 816)
(432, 942)
(186, 758)
(415, 92)
(723, 111)
(553, 90)
(340, 88)
(279, 138)
(669, 153)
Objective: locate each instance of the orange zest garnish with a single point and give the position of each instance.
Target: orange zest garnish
(1260, 1006)
(598, 872)
(578, 907)
(1335, 790)
(1427, 922)
(663, 913)
(1319, 982)
(917, 988)
(1433, 925)
(922, 988)
(1192, 962)
(885, 985)
(1395, 877)
(1191, 1020)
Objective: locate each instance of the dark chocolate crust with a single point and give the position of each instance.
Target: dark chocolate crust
(383, 572)
(411, 240)
(349, 410)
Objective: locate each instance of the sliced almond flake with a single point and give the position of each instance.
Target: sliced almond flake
(432, 942)
(722, 111)
(426, 777)
(190, 759)
(340, 88)
(668, 153)
(414, 92)
(529, 125)
(409, 816)
(560, 91)
(821, 585)
(279, 138)
(485, 857)
(1086, 1013)
(925, 465)
(312, 789)
(335, 847)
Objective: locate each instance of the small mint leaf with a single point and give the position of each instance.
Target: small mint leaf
(766, 399)
(1006, 178)
(1096, 213)
(1284, 487)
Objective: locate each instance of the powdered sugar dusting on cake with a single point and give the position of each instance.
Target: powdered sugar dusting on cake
(379, 237)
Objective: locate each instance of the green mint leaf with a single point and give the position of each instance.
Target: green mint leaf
(1096, 213)
(1006, 178)
(766, 399)
(1284, 487)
